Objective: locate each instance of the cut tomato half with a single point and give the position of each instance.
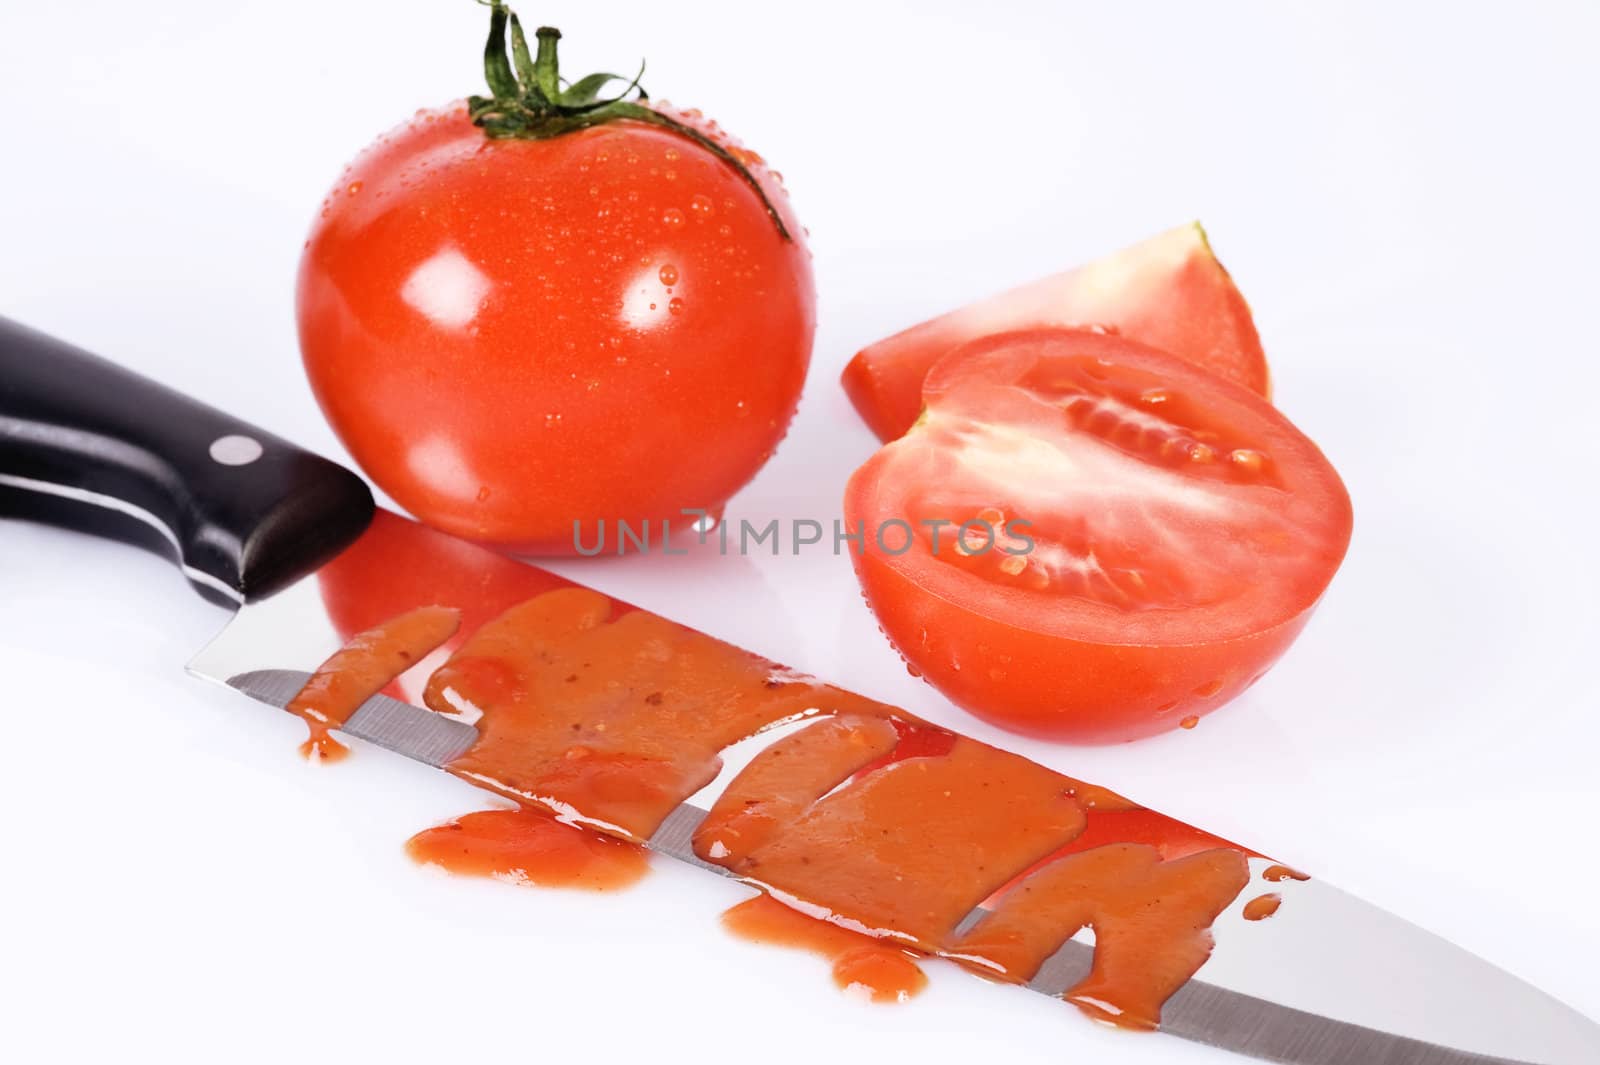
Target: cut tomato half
(1088, 539)
(1169, 292)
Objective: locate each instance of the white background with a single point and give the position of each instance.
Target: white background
(1406, 197)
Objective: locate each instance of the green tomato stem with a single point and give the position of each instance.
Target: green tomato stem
(527, 102)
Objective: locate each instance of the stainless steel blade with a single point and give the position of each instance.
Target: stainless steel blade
(1329, 981)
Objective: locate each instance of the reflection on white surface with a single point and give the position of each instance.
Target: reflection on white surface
(446, 289)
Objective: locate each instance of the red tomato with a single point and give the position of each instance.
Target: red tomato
(1169, 292)
(512, 335)
(1169, 534)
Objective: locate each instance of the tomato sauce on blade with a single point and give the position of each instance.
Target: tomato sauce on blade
(1151, 921)
(882, 971)
(362, 668)
(874, 835)
(611, 719)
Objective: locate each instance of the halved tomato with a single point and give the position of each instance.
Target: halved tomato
(1169, 292)
(1084, 538)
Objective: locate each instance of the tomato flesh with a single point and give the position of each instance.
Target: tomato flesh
(1161, 536)
(1169, 292)
(511, 336)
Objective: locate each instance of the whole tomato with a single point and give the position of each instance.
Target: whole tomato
(546, 307)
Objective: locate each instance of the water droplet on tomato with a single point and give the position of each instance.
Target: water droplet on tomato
(1154, 396)
(702, 206)
(1189, 722)
(1209, 688)
(675, 305)
(1201, 454)
(672, 154)
(483, 492)
(1247, 459)
(671, 175)
(668, 274)
(552, 420)
(352, 188)
(672, 218)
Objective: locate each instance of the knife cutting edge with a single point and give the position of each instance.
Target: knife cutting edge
(251, 518)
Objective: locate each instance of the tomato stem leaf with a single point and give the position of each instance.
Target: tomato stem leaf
(527, 102)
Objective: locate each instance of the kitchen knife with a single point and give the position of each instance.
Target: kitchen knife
(251, 519)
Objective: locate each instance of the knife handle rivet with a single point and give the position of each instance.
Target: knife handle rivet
(235, 450)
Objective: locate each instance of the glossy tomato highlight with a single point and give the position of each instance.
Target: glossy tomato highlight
(523, 311)
(1162, 535)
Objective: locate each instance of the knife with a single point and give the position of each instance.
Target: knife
(251, 519)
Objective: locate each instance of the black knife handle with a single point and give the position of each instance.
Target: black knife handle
(88, 445)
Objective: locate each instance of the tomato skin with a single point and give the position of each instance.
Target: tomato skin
(1170, 292)
(1058, 661)
(514, 335)
(1117, 691)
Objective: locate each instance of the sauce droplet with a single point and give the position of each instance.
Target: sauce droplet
(362, 668)
(1277, 874)
(1189, 722)
(1262, 906)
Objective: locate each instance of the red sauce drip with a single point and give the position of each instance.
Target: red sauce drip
(528, 847)
(886, 973)
(363, 668)
(1151, 922)
(612, 716)
(915, 739)
(1277, 874)
(1262, 906)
